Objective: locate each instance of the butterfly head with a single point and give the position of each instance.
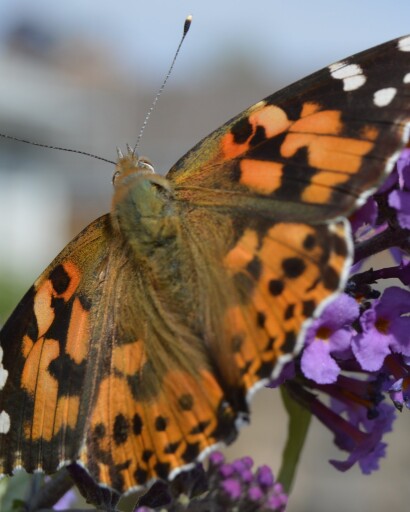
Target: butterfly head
(130, 165)
(140, 195)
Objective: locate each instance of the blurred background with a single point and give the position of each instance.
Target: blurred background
(83, 75)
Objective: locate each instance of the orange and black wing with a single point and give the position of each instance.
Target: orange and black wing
(282, 175)
(46, 346)
(97, 373)
(311, 151)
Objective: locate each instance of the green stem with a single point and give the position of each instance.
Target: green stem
(299, 421)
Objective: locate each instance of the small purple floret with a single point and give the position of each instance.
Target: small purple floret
(232, 488)
(226, 470)
(331, 334)
(264, 476)
(216, 458)
(255, 493)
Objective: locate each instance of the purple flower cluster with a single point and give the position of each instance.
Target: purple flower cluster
(358, 351)
(222, 488)
(235, 485)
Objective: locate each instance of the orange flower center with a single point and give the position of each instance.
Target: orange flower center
(382, 325)
(323, 333)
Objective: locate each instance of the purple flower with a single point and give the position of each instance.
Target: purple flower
(329, 335)
(264, 476)
(255, 493)
(385, 329)
(364, 217)
(399, 389)
(239, 486)
(216, 458)
(232, 487)
(400, 201)
(228, 487)
(399, 198)
(66, 501)
(354, 431)
(403, 169)
(366, 447)
(358, 351)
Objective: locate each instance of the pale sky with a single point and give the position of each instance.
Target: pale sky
(300, 34)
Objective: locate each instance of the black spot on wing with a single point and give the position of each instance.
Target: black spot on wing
(137, 424)
(191, 452)
(99, 430)
(241, 131)
(331, 278)
(172, 447)
(276, 287)
(200, 427)
(62, 317)
(186, 402)
(293, 267)
(254, 267)
(339, 245)
(59, 279)
(69, 374)
(141, 476)
(162, 469)
(160, 423)
(309, 242)
(121, 428)
(265, 370)
(289, 342)
(289, 312)
(308, 308)
(260, 319)
(146, 455)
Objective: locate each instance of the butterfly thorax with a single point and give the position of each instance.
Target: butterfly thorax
(142, 209)
(149, 223)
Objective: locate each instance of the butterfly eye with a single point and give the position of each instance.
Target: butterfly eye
(145, 164)
(115, 176)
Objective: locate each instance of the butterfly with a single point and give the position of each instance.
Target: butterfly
(138, 349)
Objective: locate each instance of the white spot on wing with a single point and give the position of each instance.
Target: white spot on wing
(351, 74)
(4, 422)
(404, 44)
(3, 372)
(406, 78)
(383, 97)
(336, 66)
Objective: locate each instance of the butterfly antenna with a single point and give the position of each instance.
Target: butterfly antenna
(10, 137)
(187, 24)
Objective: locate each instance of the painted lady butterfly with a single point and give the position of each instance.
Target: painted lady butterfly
(138, 348)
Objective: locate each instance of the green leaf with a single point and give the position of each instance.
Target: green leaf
(13, 491)
(299, 421)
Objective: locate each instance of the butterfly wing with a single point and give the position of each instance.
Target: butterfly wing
(323, 142)
(280, 175)
(46, 343)
(96, 371)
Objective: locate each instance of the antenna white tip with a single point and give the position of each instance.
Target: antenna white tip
(187, 24)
